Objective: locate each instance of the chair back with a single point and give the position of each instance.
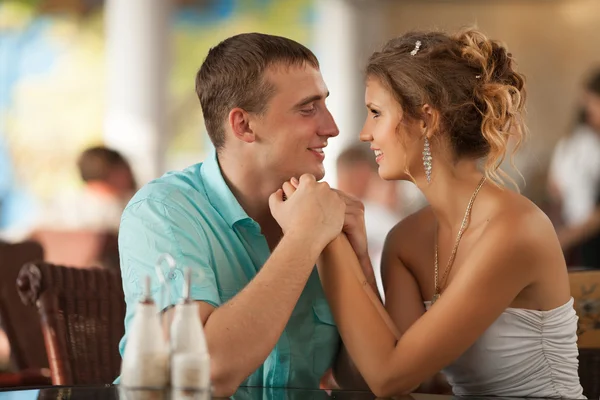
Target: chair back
(82, 313)
(20, 323)
(585, 289)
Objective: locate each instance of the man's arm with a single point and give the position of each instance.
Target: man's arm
(248, 326)
(242, 332)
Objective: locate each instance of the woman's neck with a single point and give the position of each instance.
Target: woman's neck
(450, 190)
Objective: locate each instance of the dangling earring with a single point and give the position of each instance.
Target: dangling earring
(427, 160)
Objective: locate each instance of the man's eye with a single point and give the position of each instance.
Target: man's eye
(308, 111)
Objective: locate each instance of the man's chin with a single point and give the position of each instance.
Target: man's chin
(317, 171)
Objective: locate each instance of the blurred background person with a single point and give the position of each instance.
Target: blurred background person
(357, 175)
(574, 182)
(98, 205)
(79, 227)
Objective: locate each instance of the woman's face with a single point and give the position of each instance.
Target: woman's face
(592, 109)
(395, 139)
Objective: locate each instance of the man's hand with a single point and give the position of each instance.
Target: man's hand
(311, 209)
(354, 228)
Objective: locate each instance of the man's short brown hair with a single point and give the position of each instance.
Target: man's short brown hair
(232, 75)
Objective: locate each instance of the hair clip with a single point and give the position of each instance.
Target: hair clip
(416, 49)
(477, 76)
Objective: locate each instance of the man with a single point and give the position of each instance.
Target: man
(266, 318)
(108, 186)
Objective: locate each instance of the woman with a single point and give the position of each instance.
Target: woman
(475, 283)
(574, 182)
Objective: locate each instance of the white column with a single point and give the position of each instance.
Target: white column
(137, 64)
(346, 32)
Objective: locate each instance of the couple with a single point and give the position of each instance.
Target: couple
(475, 284)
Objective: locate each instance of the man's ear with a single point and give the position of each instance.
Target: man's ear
(239, 121)
(430, 121)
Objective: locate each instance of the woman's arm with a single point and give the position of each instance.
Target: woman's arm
(404, 301)
(403, 305)
(498, 269)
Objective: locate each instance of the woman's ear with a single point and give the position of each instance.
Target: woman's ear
(239, 121)
(430, 121)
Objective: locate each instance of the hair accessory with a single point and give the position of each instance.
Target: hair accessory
(416, 49)
(477, 76)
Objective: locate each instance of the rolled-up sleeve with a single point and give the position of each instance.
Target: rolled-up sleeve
(151, 228)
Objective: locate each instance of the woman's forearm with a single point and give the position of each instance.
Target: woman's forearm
(369, 274)
(368, 332)
(346, 374)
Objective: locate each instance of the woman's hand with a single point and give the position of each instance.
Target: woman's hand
(354, 227)
(355, 230)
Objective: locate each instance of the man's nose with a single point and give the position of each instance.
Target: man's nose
(329, 128)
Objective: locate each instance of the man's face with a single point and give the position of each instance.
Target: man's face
(292, 133)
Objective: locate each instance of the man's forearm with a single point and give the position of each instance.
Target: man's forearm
(248, 326)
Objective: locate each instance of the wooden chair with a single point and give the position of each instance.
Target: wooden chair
(82, 313)
(21, 324)
(585, 289)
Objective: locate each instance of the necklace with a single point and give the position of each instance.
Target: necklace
(438, 287)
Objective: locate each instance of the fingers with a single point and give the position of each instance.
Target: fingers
(295, 182)
(353, 204)
(275, 198)
(306, 179)
(348, 198)
(288, 189)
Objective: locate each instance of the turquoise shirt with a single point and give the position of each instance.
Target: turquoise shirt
(193, 216)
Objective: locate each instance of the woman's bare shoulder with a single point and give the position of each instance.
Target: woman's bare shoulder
(412, 225)
(520, 217)
(412, 235)
(520, 224)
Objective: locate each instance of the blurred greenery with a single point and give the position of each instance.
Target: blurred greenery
(56, 63)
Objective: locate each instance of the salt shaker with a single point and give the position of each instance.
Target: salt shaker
(190, 361)
(145, 368)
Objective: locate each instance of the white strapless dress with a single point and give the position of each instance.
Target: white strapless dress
(524, 353)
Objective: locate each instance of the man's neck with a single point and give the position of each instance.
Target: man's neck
(252, 191)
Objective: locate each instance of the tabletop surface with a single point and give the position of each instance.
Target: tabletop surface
(244, 393)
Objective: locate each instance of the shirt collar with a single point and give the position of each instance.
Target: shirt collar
(218, 192)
